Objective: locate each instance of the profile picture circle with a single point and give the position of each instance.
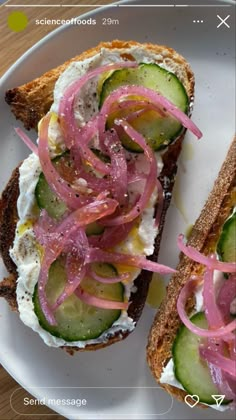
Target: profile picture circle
(17, 21)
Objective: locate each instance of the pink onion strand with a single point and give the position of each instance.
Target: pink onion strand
(28, 142)
(99, 302)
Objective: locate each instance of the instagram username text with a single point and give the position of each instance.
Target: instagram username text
(73, 21)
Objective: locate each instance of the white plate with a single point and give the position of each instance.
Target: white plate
(122, 368)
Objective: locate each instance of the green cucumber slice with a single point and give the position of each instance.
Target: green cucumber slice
(45, 197)
(76, 320)
(226, 247)
(48, 200)
(190, 370)
(105, 269)
(94, 229)
(159, 131)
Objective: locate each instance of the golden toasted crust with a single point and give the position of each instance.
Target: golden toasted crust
(30, 102)
(204, 237)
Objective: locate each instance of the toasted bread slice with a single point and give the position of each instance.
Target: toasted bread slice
(204, 237)
(8, 220)
(29, 103)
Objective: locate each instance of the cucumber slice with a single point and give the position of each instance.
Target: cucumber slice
(45, 197)
(190, 370)
(48, 200)
(76, 320)
(159, 131)
(226, 247)
(105, 269)
(94, 229)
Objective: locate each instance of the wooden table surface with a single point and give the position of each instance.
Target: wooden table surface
(12, 46)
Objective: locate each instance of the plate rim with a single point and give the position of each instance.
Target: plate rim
(40, 44)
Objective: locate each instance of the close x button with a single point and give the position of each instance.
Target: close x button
(223, 21)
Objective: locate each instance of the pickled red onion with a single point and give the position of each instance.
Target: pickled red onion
(42, 281)
(140, 112)
(67, 102)
(44, 228)
(109, 280)
(56, 243)
(118, 174)
(58, 184)
(141, 104)
(195, 255)
(134, 177)
(111, 236)
(223, 381)
(221, 336)
(90, 213)
(154, 97)
(151, 179)
(76, 248)
(88, 156)
(226, 295)
(98, 302)
(93, 182)
(212, 312)
(76, 272)
(77, 139)
(28, 142)
(98, 255)
(217, 359)
(185, 293)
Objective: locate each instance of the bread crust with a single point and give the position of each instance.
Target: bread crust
(29, 103)
(204, 237)
(8, 217)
